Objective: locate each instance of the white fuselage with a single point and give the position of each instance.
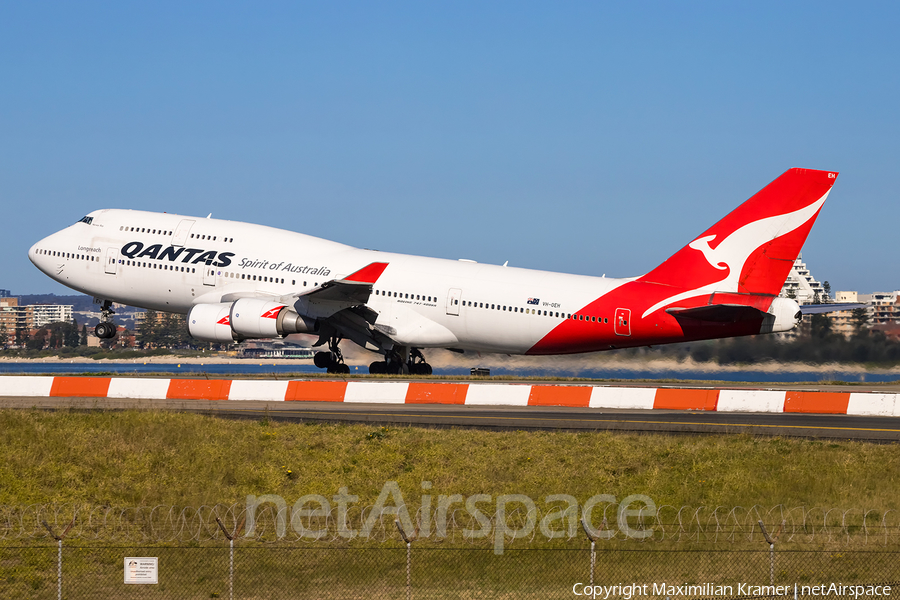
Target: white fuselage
(170, 262)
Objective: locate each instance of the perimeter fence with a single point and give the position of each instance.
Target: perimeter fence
(283, 572)
(73, 551)
(275, 521)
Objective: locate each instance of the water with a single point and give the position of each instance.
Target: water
(302, 368)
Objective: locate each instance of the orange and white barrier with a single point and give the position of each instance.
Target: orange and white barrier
(474, 394)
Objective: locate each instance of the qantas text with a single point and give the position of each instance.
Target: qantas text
(172, 254)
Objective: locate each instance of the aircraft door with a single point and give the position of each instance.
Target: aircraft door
(181, 232)
(209, 275)
(112, 261)
(453, 299)
(623, 321)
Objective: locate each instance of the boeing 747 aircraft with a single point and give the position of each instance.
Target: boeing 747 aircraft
(238, 281)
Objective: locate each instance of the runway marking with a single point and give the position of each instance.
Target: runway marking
(497, 418)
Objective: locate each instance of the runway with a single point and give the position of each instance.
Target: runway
(833, 426)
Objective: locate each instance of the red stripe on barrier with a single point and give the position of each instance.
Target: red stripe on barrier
(199, 389)
(831, 403)
(316, 391)
(436, 393)
(80, 387)
(675, 399)
(560, 395)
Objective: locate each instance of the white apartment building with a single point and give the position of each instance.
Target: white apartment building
(50, 313)
(802, 286)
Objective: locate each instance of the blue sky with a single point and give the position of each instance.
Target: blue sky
(580, 137)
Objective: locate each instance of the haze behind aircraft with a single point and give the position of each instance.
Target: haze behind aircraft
(238, 281)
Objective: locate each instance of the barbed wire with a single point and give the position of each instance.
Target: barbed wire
(269, 522)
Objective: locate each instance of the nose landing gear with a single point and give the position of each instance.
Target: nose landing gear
(105, 329)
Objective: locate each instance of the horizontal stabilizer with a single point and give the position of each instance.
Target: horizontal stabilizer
(718, 313)
(818, 309)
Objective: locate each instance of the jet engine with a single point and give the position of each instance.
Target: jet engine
(784, 315)
(247, 318)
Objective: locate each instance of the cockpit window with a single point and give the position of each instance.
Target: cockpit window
(87, 220)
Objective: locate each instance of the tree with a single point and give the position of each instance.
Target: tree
(860, 319)
(820, 326)
(147, 335)
(71, 334)
(38, 341)
(827, 288)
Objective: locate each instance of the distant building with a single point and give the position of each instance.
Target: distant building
(273, 349)
(883, 307)
(802, 286)
(15, 318)
(883, 312)
(44, 314)
(842, 321)
(5, 294)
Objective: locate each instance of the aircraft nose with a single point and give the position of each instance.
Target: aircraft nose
(37, 254)
(32, 253)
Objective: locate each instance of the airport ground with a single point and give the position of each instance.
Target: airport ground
(149, 457)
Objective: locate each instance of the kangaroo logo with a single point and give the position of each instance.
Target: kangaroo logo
(732, 253)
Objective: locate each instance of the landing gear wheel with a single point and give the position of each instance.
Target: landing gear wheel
(394, 368)
(332, 361)
(417, 364)
(379, 367)
(323, 360)
(105, 331)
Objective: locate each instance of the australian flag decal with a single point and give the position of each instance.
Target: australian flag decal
(534, 301)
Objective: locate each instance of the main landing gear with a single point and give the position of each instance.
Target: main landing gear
(332, 361)
(105, 329)
(401, 361)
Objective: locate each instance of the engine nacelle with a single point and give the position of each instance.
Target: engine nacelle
(211, 323)
(784, 315)
(245, 318)
(256, 318)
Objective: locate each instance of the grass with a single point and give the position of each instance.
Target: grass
(163, 458)
(148, 457)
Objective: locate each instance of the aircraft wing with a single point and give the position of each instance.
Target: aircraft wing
(354, 289)
(818, 309)
(340, 306)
